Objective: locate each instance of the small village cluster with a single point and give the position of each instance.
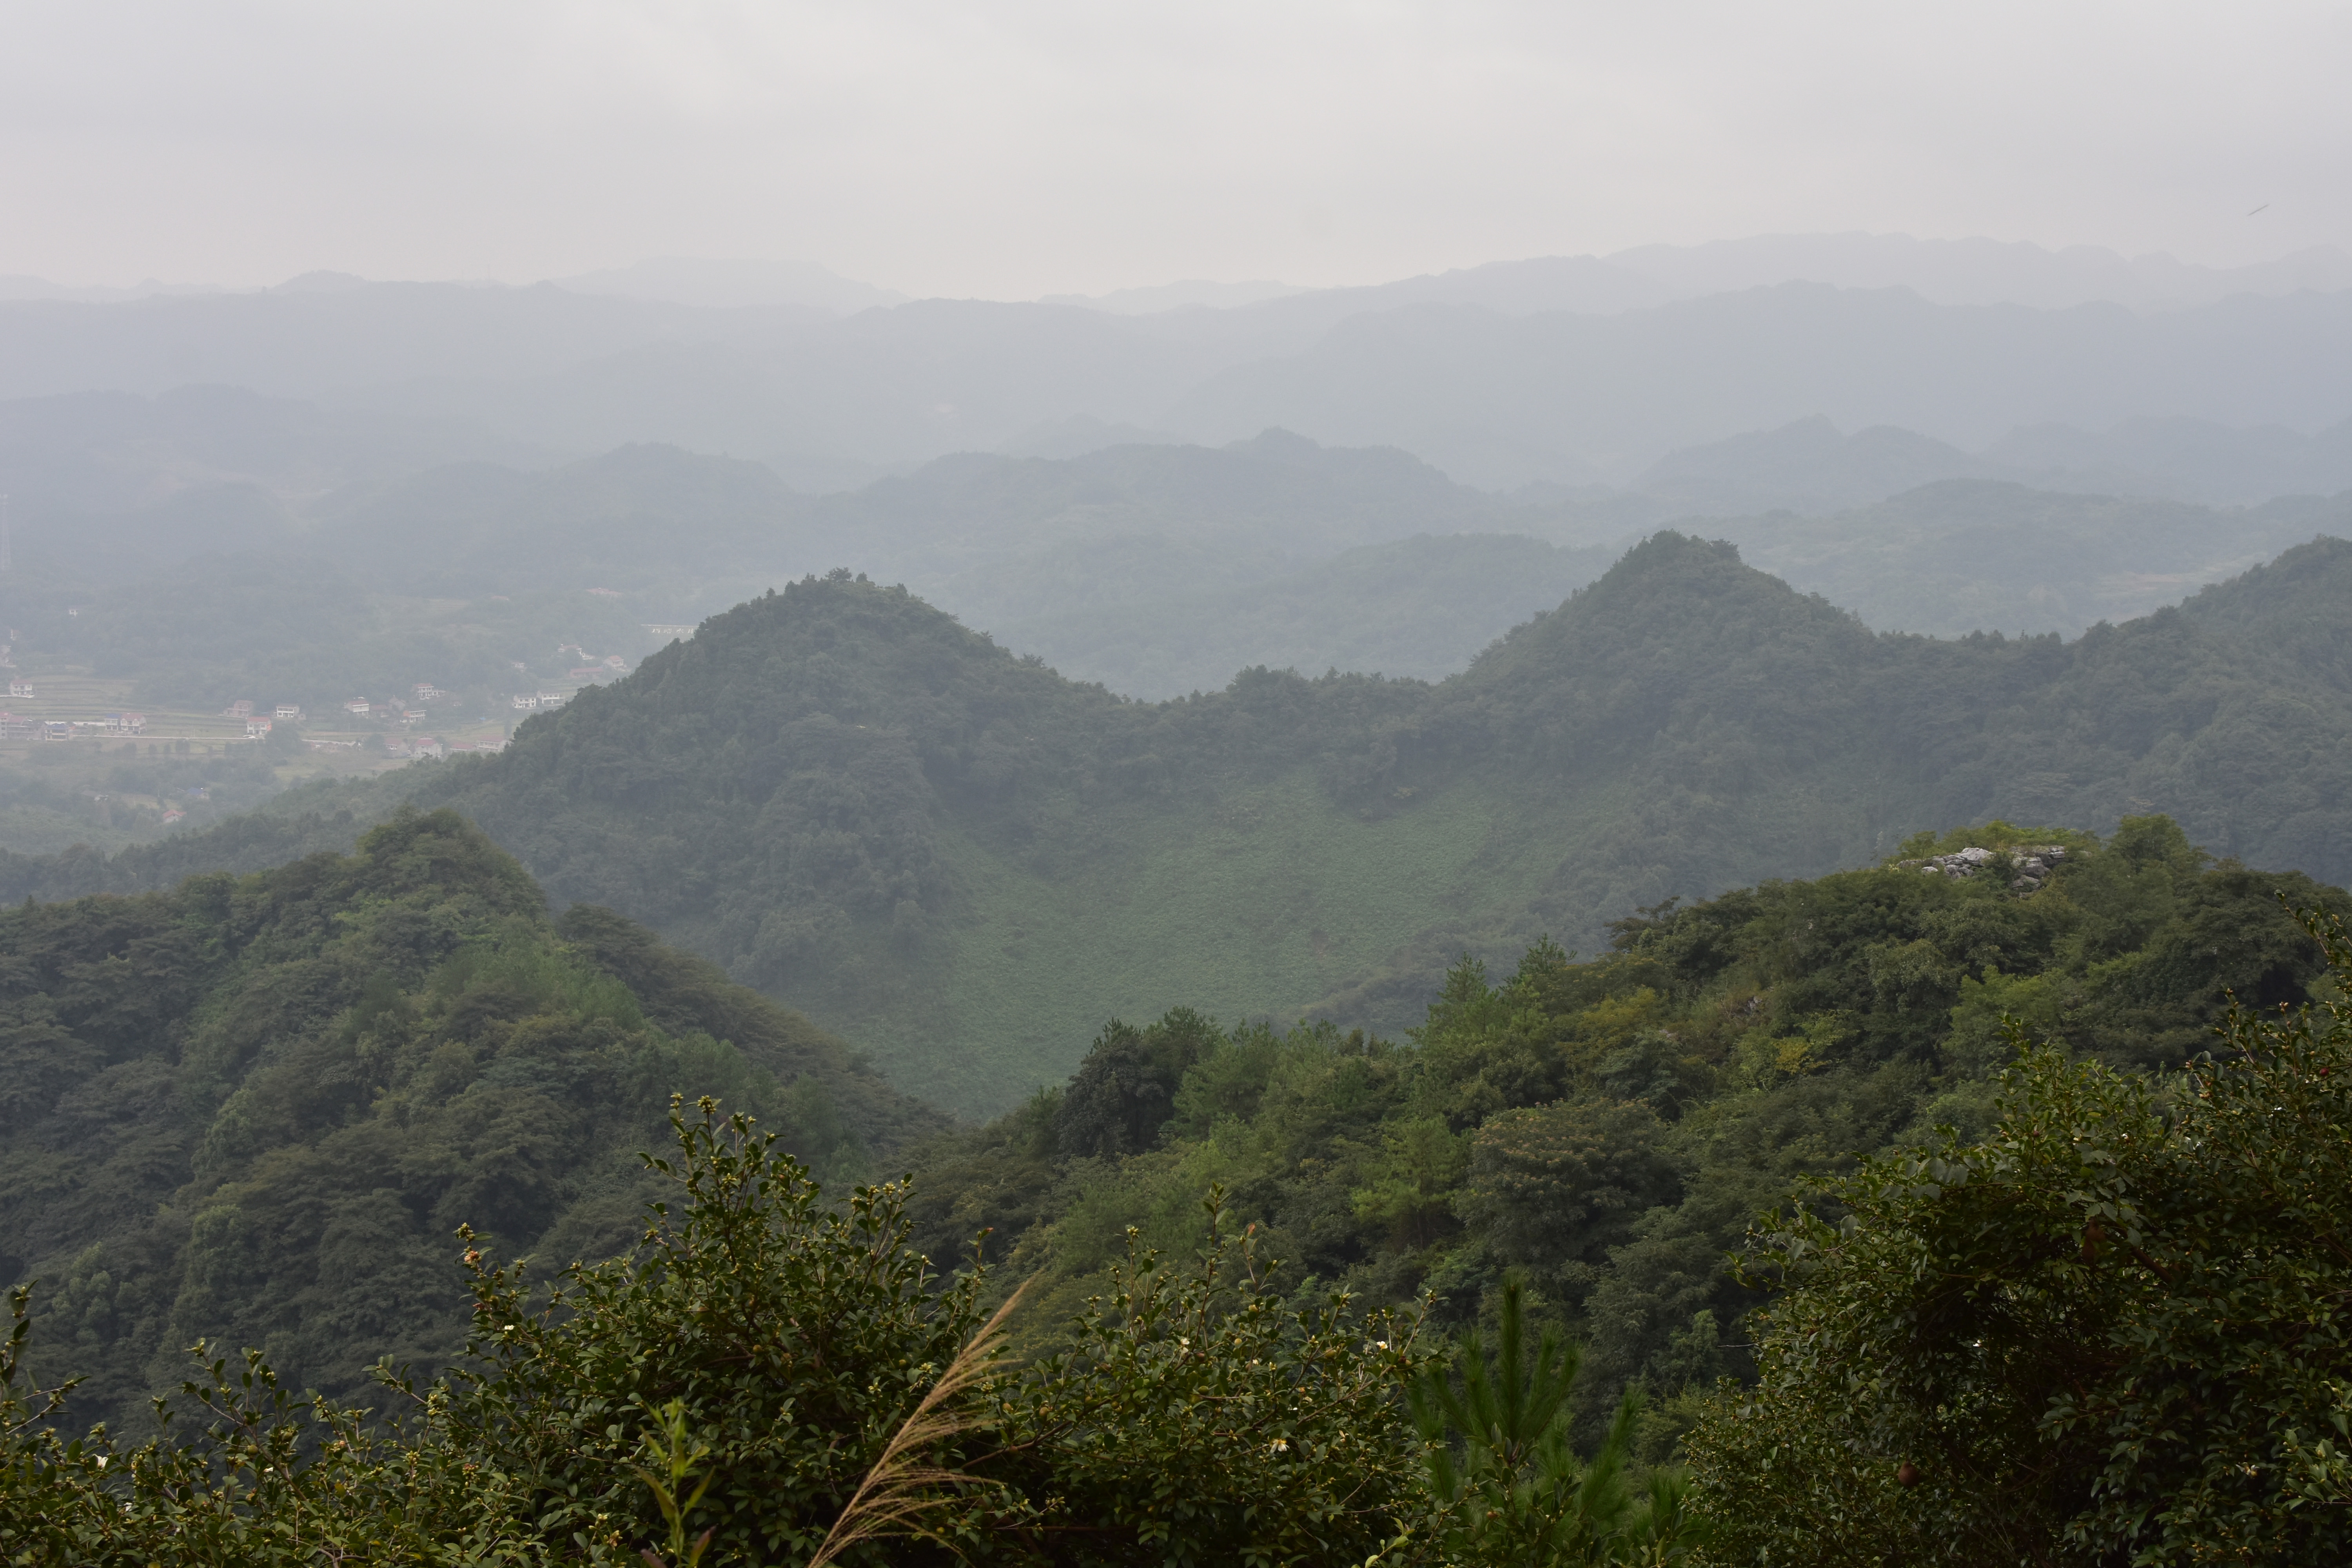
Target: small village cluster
(396, 713)
(399, 717)
(17, 727)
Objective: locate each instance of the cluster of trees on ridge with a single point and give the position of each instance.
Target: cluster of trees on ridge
(290, 1083)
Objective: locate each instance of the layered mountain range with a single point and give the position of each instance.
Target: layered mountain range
(958, 859)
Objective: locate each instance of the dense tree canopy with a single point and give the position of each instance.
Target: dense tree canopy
(253, 1109)
(2118, 1329)
(2088, 1308)
(1607, 1130)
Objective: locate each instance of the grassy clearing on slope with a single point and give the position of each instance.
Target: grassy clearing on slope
(1255, 907)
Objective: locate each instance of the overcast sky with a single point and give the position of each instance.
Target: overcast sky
(1020, 147)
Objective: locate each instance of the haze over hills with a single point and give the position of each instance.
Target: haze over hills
(1496, 401)
(916, 836)
(410, 507)
(1809, 465)
(1499, 375)
(1941, 271)
(1157, 570)
(1493, 400)
(723, 285)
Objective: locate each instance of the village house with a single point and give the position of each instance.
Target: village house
(240, 709)
(20, 689)
(553, 698)
(525, 701)
(173, 814)
(13, 727)
(255, 728)
(287, 713)
(358, 707)
(426, 691)
(126, 723)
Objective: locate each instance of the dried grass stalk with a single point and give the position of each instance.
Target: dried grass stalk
(899, 1490)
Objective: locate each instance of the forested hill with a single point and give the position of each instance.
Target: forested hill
(257, 1108)
(958, 860)
(1612, 1127)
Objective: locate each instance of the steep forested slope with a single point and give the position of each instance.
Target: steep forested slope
(963, 862)
(257, 1108)
(1609, 1129)
(1574, 1149)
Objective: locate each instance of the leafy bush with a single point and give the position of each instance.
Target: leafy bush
(789, 1340)
(2115, 1330)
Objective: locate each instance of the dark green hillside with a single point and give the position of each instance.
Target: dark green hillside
(2084, 1241)
(957, 860)
(256, 1107)
(1611, 1128)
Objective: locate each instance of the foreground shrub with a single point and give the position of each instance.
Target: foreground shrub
(2117, 1330)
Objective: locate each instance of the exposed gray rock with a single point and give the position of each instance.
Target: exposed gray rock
(2033, 865)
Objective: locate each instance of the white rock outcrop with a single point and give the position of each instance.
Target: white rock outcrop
(2030, 865)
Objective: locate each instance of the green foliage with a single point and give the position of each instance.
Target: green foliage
(2113, 1331)
(791, 1341)
(1609, 1129)
(1517, 1493)
(267, 1479)
(2105, 1331)
(724, 1393)
(1200, 1417)
(252, 1110)
(1124, 1092)
(680, 1459)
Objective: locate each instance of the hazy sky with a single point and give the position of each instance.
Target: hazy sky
(1025, 146)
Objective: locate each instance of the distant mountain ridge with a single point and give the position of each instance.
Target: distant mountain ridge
(1500, 375)
(1157, 570)
(1942, 271)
